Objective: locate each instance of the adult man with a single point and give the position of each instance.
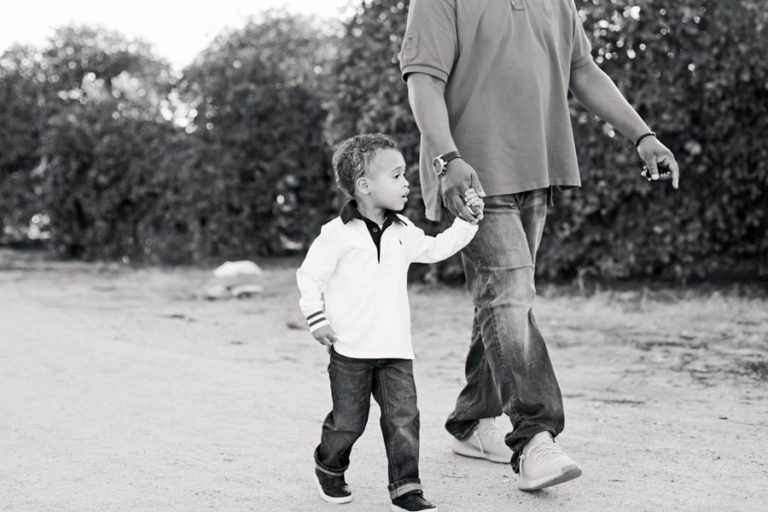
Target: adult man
(488, 82)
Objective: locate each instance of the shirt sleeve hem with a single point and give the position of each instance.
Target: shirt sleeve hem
(316, 326)
(426, 69)
(581, 62)
(461, 223)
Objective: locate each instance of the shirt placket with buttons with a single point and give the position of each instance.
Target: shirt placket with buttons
(350, 211)
(377, 232)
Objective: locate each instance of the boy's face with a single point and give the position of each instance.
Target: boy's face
(385, 181)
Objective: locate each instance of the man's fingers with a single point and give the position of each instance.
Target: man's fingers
(653, 169)
(448, 200)
(476, 185)
(675, 174)
(460, 209)
(656, 155)
(674, 168)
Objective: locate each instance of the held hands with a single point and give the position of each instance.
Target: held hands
(656, 155)
(458, 178)
(325, 335)
(474, 203)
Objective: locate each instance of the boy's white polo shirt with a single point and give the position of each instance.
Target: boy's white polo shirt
(365, 299)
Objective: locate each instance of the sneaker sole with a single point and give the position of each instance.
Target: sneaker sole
(330, 499)
(568, 473)
(395, 508)
(465, 451)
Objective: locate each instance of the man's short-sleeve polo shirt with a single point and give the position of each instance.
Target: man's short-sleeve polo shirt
(507, 67)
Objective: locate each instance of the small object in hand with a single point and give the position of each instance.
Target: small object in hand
(664, 171)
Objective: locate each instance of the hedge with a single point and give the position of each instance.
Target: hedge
(233, 158)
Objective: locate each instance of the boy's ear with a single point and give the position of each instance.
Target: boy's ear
(362, 186)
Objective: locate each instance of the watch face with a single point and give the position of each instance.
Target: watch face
(438, 165)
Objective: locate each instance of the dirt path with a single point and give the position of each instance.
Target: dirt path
(121, 392)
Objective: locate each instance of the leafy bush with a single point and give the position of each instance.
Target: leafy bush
(232, 159)
(257, 118)
(120, 178)
(104, 179)
(21, 124)
(82, 76)
(696, 72)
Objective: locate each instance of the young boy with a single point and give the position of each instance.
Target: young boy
(353, 294)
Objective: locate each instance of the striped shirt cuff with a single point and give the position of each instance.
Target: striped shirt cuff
(316, 321)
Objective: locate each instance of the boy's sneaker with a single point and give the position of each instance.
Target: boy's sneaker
(486, 442)
(412, 501)
(543, 464)
(332, 489)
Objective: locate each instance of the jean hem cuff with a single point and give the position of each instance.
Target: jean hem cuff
(466, 433)
(328, 471)
(403, 487)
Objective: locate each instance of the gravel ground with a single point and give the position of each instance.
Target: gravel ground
(121, 391)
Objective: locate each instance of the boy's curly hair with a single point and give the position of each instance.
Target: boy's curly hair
(351, 158)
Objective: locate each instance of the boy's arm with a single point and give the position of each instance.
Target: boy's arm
(430, 249)
(312, 276)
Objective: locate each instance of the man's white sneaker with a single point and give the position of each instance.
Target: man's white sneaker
(486, 442)
(543, 464)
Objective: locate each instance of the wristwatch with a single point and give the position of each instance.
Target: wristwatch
(440, 162)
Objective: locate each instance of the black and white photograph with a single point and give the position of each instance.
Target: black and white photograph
(384, 255)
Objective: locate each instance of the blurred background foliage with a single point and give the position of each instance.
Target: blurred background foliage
(107, 153)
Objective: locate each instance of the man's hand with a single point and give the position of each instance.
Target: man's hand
(460, 176)
(653, 153)
(325, 335)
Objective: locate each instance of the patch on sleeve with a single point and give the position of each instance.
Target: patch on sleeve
(410, 46)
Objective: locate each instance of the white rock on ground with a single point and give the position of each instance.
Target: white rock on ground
(238, 279)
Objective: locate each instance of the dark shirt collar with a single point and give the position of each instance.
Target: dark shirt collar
(349, 211)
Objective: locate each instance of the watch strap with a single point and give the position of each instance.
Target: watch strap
(440, 162)
(451, 155)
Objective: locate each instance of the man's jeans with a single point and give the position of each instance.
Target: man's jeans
(508, 368)
(391, 383)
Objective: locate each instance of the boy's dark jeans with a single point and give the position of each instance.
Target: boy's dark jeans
(508, 368)
(391, 383)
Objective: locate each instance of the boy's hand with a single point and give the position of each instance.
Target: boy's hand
(325, 335)
(475, 203)
(459, 176)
